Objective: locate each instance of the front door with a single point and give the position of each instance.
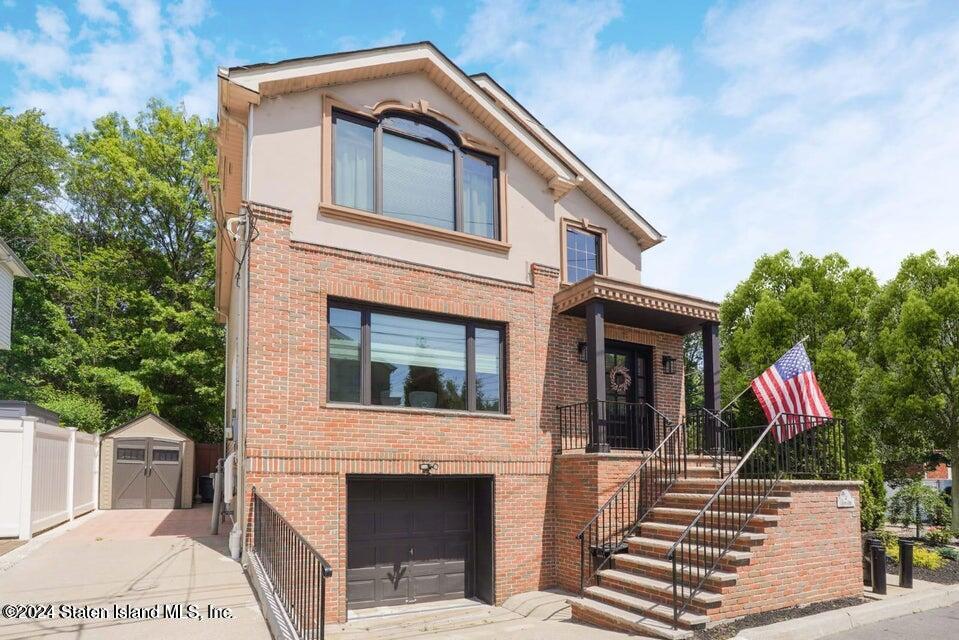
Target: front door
(627, 391)
(146, 473)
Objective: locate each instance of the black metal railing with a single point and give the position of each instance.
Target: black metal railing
(704, 433)
(757, 458)
(621, 425)
(296, 571)
(629, 505)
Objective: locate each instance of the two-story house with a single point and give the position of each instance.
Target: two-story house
(442, 358)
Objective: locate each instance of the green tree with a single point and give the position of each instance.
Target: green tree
(120, 318)
(693, 371)
(910, 390)
(785, 299)
(915, 503)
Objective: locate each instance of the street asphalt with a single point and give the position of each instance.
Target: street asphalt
(935, 624)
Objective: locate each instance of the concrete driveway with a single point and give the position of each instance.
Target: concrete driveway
(126, 565)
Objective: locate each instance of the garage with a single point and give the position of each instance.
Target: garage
(146, 463)
(414, 539)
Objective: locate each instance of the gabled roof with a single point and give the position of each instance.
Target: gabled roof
(12, 263)
(486, 101)
(148, 414)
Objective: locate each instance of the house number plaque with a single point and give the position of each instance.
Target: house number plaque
(845, 500)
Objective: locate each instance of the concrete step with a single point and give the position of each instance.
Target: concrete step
(656, 589)
(683, 516)
(663, 569)
(667, 531)
(698, 555)
(726, 502)
(633, 615)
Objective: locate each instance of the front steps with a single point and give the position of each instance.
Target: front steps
(634, 591)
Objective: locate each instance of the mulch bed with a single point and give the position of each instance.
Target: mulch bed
(726, 631)
(949, 574)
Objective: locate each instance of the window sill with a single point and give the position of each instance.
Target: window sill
(417, 411)
(395, 224)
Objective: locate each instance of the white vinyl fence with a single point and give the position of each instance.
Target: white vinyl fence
(48, 475)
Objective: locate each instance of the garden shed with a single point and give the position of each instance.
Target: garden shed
(146, 463)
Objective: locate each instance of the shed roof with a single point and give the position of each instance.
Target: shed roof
(149, 414)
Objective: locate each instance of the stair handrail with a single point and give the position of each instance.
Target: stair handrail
(634, 486)
(760, 497)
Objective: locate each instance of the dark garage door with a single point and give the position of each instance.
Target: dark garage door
(414, 540)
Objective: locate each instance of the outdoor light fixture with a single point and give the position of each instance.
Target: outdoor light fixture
(669, 365)
(583, 356)
(427, 467)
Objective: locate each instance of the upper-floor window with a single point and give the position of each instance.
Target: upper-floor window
(410, 168)
(583, 253)
(384, 357)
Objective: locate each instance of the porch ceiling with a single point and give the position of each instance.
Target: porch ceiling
(637, 306)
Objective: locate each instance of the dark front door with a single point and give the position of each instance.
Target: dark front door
(146, 473)
(410, 540)
(628, 388)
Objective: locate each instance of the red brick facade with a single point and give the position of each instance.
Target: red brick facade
(300, 449)
(812, 555)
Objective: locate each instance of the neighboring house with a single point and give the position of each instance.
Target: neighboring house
(415, 275)
(10, 267)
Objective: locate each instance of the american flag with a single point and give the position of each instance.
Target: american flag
(790, 387)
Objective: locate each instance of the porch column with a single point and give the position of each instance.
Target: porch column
(595, 376)
(712, 400)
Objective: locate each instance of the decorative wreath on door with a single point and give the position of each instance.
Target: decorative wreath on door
(619, 379)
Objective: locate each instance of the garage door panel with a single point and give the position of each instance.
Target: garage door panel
(456, 521)
(457, 490)
(395, 490)
(427, 490)
(392, 522)
(428, 522)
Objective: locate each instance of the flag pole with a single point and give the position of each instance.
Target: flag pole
(741, 393)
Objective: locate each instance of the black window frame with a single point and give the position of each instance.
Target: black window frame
(597, 238)
(459, 150)
(366, 377)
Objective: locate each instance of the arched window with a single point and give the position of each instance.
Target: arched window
(413, 168)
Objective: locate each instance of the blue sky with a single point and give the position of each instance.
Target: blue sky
(736, 128)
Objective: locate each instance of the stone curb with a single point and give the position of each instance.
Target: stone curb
(832, 622)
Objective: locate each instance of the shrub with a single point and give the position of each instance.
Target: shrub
(939, 537)
(886, 537)
(872, 512)
(921, 557)
(950, 553)
(915, 504)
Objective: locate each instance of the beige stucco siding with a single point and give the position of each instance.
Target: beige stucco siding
(146, 427)
(285, 171)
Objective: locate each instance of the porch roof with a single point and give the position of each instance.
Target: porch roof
(634, 305)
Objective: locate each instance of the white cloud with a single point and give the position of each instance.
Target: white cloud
(97, 10)
(126, 52)
(831, 126)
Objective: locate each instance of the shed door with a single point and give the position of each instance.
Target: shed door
(130, 473)
(408, 540)
(146, 473)
(163, 475)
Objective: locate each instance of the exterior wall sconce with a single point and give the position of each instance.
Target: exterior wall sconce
(428, 467)
(582, 348)
(669, 365)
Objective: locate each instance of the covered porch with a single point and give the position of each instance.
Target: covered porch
(620, 411)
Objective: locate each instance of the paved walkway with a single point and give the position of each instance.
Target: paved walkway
(537, 615)
(937, 624)
(135, 559)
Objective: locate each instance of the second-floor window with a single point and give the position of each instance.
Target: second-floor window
(583, 254)
(393, 359)
(410, 168)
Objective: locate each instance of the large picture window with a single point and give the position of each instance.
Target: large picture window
(408, 167)
(387, 358)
